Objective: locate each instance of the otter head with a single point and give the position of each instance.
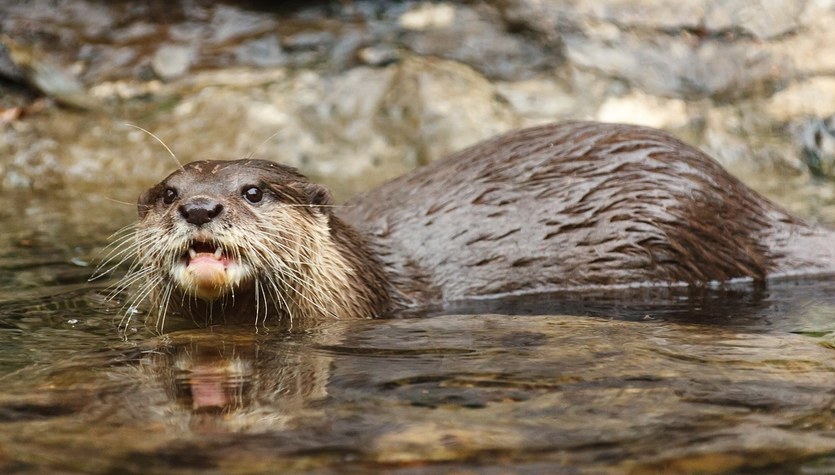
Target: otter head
(231, 230)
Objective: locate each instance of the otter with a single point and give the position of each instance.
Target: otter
(567, 206)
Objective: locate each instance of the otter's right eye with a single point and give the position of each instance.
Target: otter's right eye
(169, 195)
(253, 194)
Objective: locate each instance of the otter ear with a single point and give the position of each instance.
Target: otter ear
(317, 194)
(145, 202)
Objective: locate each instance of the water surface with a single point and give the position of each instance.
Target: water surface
(717, 380)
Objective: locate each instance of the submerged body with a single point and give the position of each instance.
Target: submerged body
(555, 207)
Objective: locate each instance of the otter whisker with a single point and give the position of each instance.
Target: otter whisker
(122, 248)
(301, 252)
(266, 299)
(257, 301)
(300, 278)
(150, 283)
(161, 143)
(162, 309)
(126, 230)
(308, 299)
(126, 282)
(302, 205)
(260, 295)
(113, 262)
(113, 200)
(252, 153)
(278, 294)
(141, 294)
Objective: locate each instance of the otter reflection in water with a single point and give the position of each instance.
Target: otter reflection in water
(550, 208)
(214, 382)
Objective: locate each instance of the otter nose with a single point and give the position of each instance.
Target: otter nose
(200, 211)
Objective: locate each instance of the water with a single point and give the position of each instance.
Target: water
(715, 381)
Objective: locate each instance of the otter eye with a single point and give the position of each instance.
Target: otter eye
(253, 194)
(169, 195)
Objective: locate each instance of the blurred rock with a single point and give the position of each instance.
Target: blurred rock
(376, 56)
(815, 96)
(232, 23)
(674, 67)
(537, 101)
(428, 16)
(356, 92)
(442, 106)
(763, 19)
(477, 37)
(172, 61)
(817, 136)
(262, 52)
(658, 15)
(40, 71)
(643, 109)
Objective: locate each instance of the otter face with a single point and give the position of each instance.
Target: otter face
(222, 228)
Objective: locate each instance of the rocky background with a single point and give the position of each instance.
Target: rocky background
(355, 92)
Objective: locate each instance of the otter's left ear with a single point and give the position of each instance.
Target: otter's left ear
(317, 194)
(146, 201)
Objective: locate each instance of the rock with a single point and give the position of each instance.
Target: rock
(441, 106)
(674, 67)
(643, 109)
(262, 52)
(543, 18)
(308, 40)
(344, 53)
(476, 37)
(724, 137)
(428, 16)
(378, 56)
(658, 15)
(8, 68)
(32, 66)
(763, 19)
(172, 61)
(804, 49)
(230, 23)
(812, 97)
(537, 101)
(817, 137)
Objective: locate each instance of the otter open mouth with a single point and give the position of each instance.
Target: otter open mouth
(207, 271)
(205, 253)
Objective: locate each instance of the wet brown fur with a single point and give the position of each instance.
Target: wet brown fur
(555, 207)
(298, 277)
(576, 205)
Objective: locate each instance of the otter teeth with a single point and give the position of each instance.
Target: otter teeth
(196, 249)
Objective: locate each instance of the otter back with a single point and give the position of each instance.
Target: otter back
(577, 205)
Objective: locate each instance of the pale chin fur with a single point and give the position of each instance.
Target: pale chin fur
(234, 276)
